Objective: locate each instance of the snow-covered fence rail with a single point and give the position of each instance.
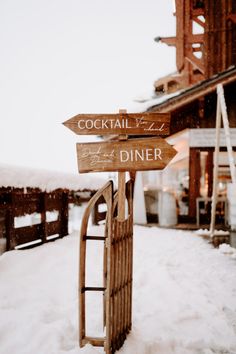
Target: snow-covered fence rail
(32, 216)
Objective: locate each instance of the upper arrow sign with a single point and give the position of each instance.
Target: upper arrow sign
(122, 123)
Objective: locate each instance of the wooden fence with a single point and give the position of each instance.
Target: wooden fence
(15, 202)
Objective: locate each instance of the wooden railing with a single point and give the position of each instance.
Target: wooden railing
(15, 202)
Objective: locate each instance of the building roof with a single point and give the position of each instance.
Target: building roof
(195, 92)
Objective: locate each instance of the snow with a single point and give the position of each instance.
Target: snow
(152, 100)
(227, 249)
(139, 201)
(183, 298)
(22, 177)
(206, 232)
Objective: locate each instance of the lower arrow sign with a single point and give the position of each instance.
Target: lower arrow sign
(131, 155)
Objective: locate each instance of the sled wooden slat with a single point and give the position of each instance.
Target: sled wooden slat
(95, 238)
(96, 342)
(92, 288)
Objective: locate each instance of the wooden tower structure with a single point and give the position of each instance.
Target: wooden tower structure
(205, 42)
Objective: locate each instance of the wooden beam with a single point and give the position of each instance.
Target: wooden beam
(180, 44)
(198, 63)
(194, 180)
(197, 49)
(216, 168)
(121, 196)
(209, 172)
(232, 17)
(96, 342)
(198, 21)
(171, 41)
(196, 38)
(198, 12)
(121, 183)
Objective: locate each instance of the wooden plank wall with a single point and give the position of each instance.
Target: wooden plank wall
(16, 202)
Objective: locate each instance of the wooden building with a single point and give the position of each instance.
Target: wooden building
(205, 57)
(195, 107)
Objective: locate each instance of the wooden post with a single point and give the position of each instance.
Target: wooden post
(194, 180)
(215, 172)
(121, 184)
(209, 172)
(10, 227)
(121, 196)
(64, 214)
(223, 109)
(44, 232)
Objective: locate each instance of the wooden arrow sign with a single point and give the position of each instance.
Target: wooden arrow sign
(130, 155)
(122, 123)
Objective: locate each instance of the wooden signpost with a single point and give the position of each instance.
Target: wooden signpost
(123, 154)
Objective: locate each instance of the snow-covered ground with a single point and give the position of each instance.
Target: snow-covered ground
(184, 298)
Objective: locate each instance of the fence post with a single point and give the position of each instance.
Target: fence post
(64, 214)
(10, 227)
(44, 231)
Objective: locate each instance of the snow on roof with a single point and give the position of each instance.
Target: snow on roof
(195, 91)
(22, 177)
(146, 102)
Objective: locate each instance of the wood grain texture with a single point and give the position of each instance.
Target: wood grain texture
(121, 196)
(152, 123)
(117, 272)
(131, 155)
(121, 181)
